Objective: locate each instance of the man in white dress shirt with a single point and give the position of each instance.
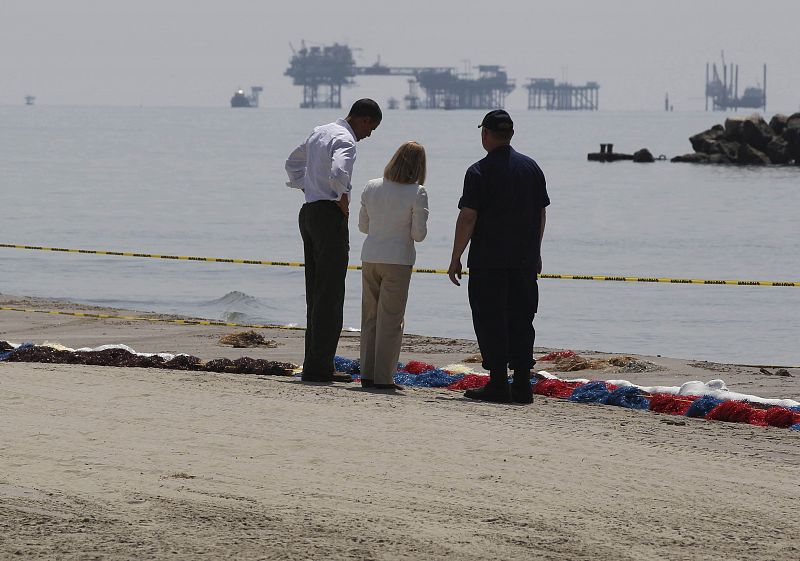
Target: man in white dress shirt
(322, 167)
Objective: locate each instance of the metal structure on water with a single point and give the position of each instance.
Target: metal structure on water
(322, 71)
(722, 89)
(547, 94)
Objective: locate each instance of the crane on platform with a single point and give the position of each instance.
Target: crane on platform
(723, 89)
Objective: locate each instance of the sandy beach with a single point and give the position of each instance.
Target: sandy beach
(129, 463)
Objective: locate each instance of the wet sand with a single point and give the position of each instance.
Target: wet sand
(127, 463)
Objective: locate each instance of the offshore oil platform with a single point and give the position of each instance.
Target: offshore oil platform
(323, 70)
(546, 94)
(722, 89)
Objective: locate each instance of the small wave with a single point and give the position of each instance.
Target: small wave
(238, 307)
(234, 297)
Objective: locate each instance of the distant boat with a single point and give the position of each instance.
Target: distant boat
(29, 99)
(240, 99)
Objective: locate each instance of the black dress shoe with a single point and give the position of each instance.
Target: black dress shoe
(495, 392)
(326, 378)
(521, 390)
(367, 383)
(522, 393)
(317, 379)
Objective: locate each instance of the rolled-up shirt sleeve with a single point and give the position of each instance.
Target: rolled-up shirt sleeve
(296, 167)
(342, 160)
(419, 216)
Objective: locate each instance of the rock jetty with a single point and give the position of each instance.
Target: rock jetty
(748, 141)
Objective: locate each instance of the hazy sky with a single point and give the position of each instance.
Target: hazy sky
(196, 52)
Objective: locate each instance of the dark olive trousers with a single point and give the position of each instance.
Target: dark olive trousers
(504, 303)
(326, 244)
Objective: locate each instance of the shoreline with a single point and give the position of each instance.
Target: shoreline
(415, 346)
(125, 463)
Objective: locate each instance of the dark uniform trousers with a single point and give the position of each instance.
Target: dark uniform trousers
(504, 303)
(326, 244)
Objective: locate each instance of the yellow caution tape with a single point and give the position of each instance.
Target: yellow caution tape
(154, 319)
(731, 282)
(617, 278)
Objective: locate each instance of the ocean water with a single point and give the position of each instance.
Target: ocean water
(210, 182)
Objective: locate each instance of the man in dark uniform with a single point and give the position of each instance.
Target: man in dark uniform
(502, 218)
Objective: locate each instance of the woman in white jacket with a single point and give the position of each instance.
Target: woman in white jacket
(394, 215)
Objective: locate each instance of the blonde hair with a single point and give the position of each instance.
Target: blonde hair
(407, 165)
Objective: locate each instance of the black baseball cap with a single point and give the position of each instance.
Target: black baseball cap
(497, 120)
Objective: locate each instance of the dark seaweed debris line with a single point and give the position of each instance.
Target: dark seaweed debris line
(123, 358)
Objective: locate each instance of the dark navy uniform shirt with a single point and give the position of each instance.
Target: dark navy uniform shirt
(508, 191)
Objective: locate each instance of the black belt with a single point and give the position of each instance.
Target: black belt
(323, 202)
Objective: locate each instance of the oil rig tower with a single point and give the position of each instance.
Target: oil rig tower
(444, 89)
(545, 93)
(322, 71)
(723, 89)
(412, 97)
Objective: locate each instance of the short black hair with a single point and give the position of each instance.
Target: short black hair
(366, 108)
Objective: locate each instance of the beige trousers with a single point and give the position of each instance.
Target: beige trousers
(384, 295)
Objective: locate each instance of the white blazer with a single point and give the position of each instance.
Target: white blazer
(394, 216)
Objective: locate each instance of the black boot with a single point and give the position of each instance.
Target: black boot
(521, 390)
(496, 391)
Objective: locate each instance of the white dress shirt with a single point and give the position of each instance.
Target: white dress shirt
(322, 166)
(394, 216)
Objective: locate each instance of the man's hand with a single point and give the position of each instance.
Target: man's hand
(344, 204)
(465, 225)
(454, 271)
